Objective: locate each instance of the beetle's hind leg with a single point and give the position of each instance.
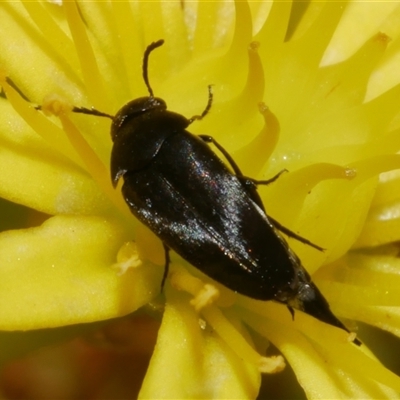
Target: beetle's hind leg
(166, 266)
(294, 235)
(267, 181)
(244, 179)
(210, 139)
(251, 184)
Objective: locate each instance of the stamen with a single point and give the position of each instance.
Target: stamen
(253, 90)
(205, 295)
(127, 258)
(182, 280)
(370, 167)
(54, 104)
(236, 341)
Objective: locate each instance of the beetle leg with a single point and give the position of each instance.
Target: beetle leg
(246, 180)
(291, 312)
(210, 139)
(166, 266)
(268, 181)
(250, 185)
(293, 235)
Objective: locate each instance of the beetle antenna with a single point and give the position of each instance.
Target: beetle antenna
(83, 110)
(208, 106)
(91, 111)
(147, 52)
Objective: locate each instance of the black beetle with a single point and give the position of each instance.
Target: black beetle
(213, 218)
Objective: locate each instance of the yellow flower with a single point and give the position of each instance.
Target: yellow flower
(281, 100)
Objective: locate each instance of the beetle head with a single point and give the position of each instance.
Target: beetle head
(135, 109)
(143, 105)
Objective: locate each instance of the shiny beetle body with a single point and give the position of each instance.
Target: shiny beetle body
(212, 217)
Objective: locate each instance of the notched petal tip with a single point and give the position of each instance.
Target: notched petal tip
(270, 119)
(254, 45)
(352, 338)
(54, 104)
(127, 258)
(204, 294)
(382, 38)
(271, 365)
(205, 297)
(350, 173)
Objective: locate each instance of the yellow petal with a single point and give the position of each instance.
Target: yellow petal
(203, 366)
(383, 221)
(35, 175)
(360, 21)
(60, 273)
(21, 40)
(326, 365)
(363, 285)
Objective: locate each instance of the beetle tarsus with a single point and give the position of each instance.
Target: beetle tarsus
(294, 235)
(270, 180)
